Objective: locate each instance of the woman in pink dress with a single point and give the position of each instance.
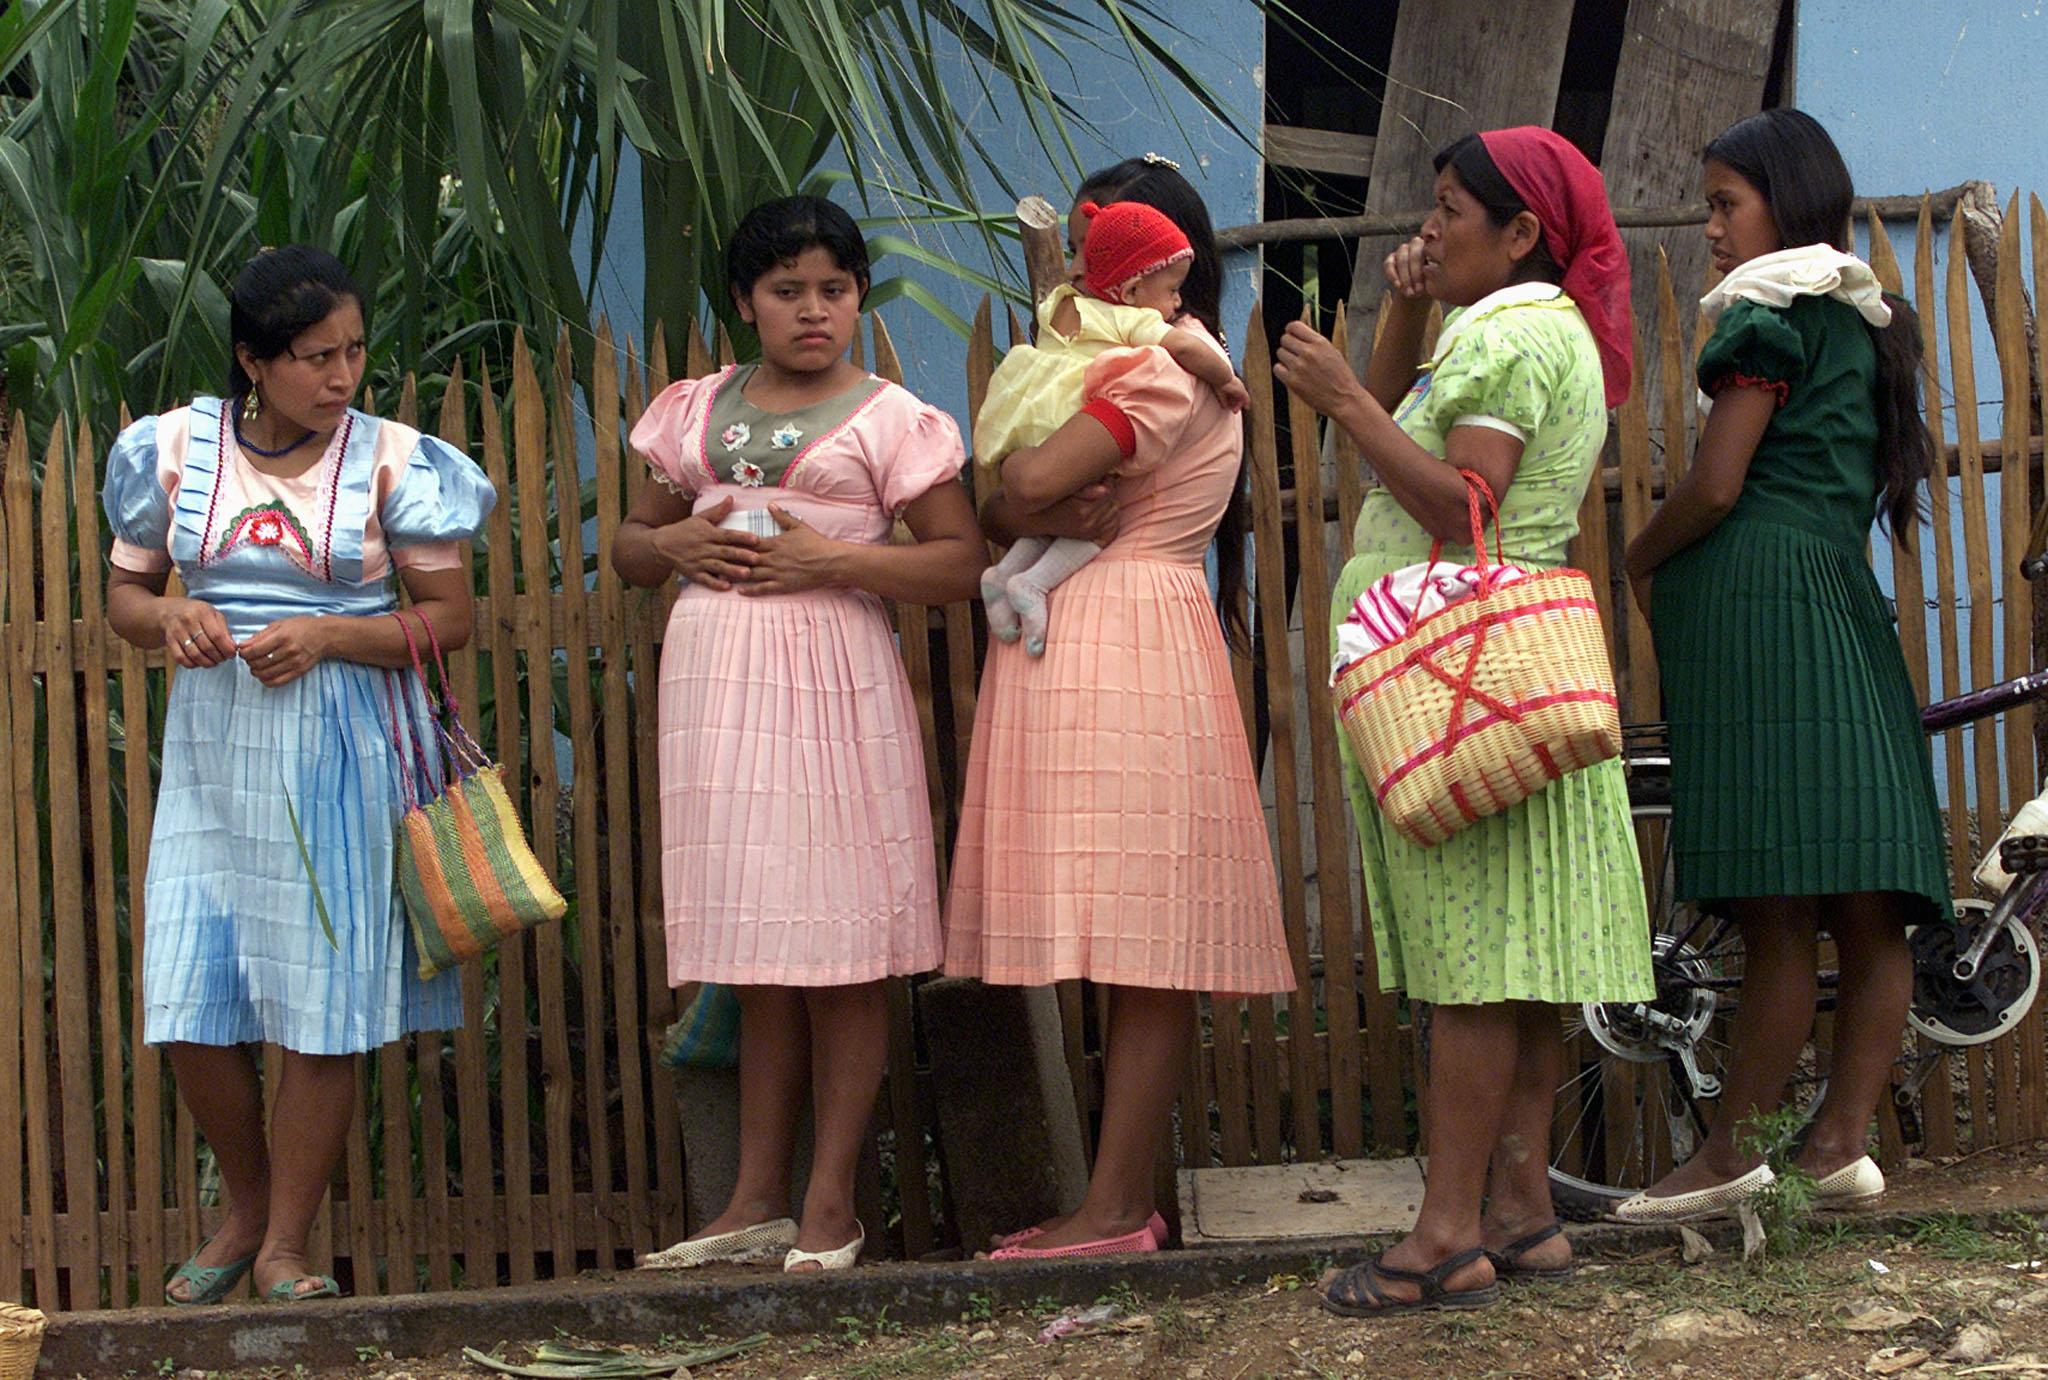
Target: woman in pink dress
(1112, 827)
(797, 861)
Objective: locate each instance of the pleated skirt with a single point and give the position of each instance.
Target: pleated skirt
(1111, 827)
(795, 816)
(1541, 902)
(233, 950)
(1798, 765)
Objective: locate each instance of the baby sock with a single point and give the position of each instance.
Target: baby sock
(1002, 619)
(995, 585)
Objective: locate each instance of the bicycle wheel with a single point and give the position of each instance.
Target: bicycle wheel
(1643, 1079)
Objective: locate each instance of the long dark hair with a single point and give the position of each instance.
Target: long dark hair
(1795, 167)
(1159, 186)
(777, 231)
(1482, 177)
(277, 297)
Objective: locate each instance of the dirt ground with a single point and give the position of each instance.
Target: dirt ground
(1953, 1298)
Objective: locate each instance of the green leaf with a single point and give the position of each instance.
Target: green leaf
(306, 861)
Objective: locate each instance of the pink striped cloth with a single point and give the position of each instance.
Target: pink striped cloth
(1394, 603)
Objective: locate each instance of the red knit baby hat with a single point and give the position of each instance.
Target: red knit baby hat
(1127, 240)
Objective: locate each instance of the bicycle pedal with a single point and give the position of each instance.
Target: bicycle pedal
(2024, 853)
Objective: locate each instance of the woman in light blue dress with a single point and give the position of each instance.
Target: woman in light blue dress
(285, 513)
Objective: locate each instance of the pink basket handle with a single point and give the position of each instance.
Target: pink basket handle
(1476, 488)
(446, 713)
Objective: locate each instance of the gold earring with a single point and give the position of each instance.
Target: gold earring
(252, 406)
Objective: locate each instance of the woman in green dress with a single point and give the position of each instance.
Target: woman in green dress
(1802, 796)
(1540, 904)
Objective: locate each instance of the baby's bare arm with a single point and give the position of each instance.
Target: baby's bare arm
(1193, 353)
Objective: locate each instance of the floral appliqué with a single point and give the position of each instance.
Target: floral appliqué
(747, 474)
(785, 436)
(269, 524)
(736, 435)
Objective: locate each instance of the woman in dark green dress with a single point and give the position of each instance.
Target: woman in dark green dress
(1803, 800)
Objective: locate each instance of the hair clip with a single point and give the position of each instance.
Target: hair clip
(1160, 160)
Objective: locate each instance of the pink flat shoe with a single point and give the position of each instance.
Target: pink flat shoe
(1139, 1242)
(1154, 1224)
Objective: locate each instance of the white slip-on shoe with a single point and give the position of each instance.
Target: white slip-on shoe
(840, 1259)
(1717, 1201)
(747, 1246)
(1855, 1181)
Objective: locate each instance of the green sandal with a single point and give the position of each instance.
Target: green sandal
(206, 1283)
(284, 1290)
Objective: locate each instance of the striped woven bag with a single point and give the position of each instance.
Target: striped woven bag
(465, 869)
(1485, 702)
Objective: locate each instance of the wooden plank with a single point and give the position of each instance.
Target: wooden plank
(1937, 1094)
(1455, 66)
(71, 982)
(1343, 452)
(1632, 428)
(435, 1239)
(962, 664)
(1228, 1018)
(1332, 840)
(1977, 564)
(19, 622)
(1688, 69)
(92, 643)
(2033, 1036)
(1678, 389)
(543, 781)
(596, 1026)
(631, 1217)
(358, 1230)
(399, 1201)
(477, 1229)
(1268, 548)
(914, 641)
(1318, 150)
(2020, 1063)
(515, 1073)
(671, 1199)
(35, 1055)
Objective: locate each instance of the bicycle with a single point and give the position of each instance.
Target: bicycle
(1640, 1099)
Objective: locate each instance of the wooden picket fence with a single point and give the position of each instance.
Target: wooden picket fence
(542, 1138)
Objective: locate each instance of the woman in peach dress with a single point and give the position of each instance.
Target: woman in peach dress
(1112, 827)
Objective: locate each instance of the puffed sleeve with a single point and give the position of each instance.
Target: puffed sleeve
(1144, 399)
(439, 502)
(1755, 346)
(928, 455)
(661, 435)
(137, 496)
(1499, 375)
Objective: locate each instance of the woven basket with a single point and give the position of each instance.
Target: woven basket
(1483, 703)
(21, 1341)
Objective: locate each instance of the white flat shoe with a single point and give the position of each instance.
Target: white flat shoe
(1701, 1202)
(747, 1246)
(1859, 1179)
(840, 1259)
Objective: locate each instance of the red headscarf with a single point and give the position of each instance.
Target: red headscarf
(1569, 198)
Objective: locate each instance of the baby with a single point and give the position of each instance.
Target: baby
(1133, 261)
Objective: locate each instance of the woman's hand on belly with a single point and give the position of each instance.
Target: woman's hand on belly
(798, 560)
(706, 554)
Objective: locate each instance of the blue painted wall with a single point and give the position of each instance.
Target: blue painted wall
(1922, 95)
